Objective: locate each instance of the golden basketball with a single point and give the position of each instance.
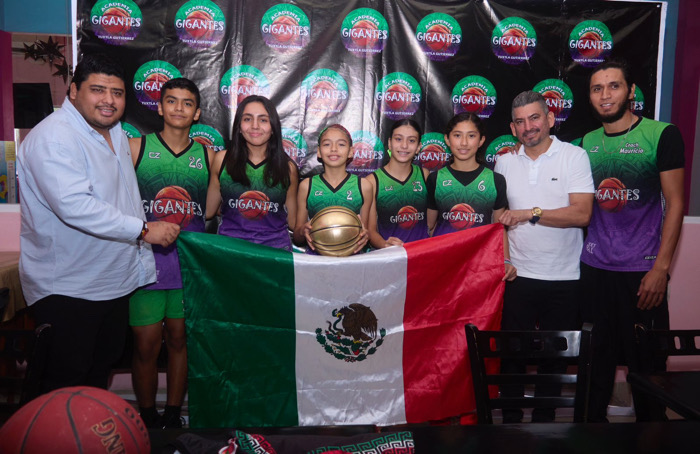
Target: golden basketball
(335, 231)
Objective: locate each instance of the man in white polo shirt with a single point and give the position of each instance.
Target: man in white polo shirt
(550, 197)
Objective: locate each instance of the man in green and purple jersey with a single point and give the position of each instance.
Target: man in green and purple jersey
(637, 167)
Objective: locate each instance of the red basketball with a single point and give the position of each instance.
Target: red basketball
(474, 100)
(398, 97)
(116, 21)
(433, 157)
(152, 85)
(173, 204)
(76, 420)
(517, 41)
(366, 29)
(407, 217)
(461, 216)
(283, 26)
(323, 97)
(254, 205)
(553, 100)
(611, 195)
(591, 40)
(438, 38)
(201, 21)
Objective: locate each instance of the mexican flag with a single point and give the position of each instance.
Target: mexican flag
(284, 339)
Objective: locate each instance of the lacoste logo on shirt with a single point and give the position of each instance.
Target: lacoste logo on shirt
(555, 179)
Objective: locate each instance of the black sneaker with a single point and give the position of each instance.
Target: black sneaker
(152, 420)
(171, 421)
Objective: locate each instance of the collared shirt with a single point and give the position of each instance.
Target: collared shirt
(81, 212)
(538, 251)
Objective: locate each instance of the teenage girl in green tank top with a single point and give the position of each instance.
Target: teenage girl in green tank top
(334, 187)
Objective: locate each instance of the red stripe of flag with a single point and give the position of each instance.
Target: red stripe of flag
(452, 280)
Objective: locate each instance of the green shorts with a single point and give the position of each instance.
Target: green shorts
(147, 307)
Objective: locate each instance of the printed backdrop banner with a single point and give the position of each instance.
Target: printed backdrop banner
(276, 338)
(367, 63)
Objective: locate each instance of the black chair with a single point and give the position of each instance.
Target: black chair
(656, 345)
(533, 346)
(23, 356)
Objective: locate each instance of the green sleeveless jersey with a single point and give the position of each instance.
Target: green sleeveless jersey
(173, 189)
(461, 207)
(401, 205)
(321, 195)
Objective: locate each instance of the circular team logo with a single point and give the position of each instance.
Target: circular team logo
(240, 82)
(130, 131)
(253, 205)
(439, 36)
(149, 78)
(611, 195)
(513, 40)
(407, 217)
(367, 153)
(294, 145)
(200, 24)
(461, 216)
(398, 95)
(116, 22)
(364, 32)
(637, 104)
(285, 28)
(325, 91)
(590, 42)
(434, 153)
(501, 145)
(207, 136)
(558, 97)
(474, 94)
(173, 204)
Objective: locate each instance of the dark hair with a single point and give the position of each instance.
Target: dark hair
(184, 84)
(96, 64)
(340, 128)
(526, 98)
(277, 168)
(405, 122)
(614, 63)
(480, 126)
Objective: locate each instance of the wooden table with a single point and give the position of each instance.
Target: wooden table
(9, 277)
(560, 438)
(678, 390)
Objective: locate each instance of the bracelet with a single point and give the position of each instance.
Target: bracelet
(144, 231)
(507, 262)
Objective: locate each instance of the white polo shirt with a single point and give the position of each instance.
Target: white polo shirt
(537, 251)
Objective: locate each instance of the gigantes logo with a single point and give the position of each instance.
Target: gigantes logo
(294, 145)
(116, 22)
(513, 40)
(207, 136)
(325, 93)
(590, 42)
(558, 97)
(364, 32)
(439, 36)
(434, 153)
(240, 82)
(200, 24)
(398, 95)
(285, 28)
(368, 153)
(474, 94)
(148, 80)
(500, 145)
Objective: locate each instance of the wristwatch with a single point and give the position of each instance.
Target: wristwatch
(536, 214)
(144, 231)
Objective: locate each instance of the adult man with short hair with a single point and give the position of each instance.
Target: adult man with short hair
(638, 172)
(83, 232)
(550, 197)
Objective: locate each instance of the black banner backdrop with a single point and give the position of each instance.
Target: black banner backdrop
(366, 63)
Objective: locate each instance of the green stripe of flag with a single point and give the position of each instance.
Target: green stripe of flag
(258, 359)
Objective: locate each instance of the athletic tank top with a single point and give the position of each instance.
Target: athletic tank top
(401, 206)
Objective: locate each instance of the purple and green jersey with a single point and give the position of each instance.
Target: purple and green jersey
(628, 212)
(173, 189)
(255, 213)
(401, 205)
